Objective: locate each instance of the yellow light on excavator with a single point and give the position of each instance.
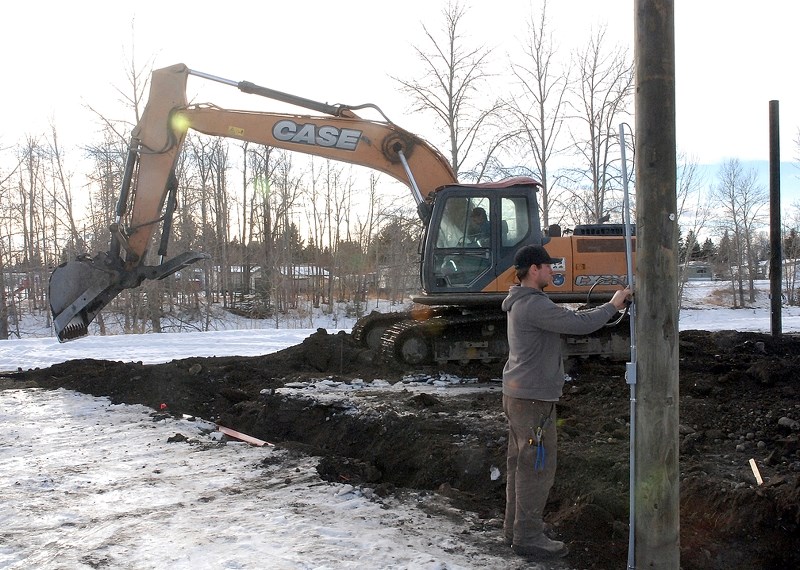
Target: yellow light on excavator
(180, 122)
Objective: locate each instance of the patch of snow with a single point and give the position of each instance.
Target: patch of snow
(86, 483)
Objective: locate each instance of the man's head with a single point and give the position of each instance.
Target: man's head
(479, 215)
(533, 263)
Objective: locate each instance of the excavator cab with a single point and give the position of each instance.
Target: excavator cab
(472, 236)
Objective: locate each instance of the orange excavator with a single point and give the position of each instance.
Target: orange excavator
(466, 267)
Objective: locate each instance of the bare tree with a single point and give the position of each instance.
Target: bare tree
(797, 145)
(30, 192)
(285, 191)
(602, 93)
(791, 243)
(694, 209)
(132, 97)
(365, 230)
(218, 187)
(395, 248)
(61, 196)
(264, 162)
(321, 204)
(6, 230)
(3, 291)
(244, 224)
(455, 74)
(740, 200)
(337, 191)
(791, 254)
(540, 107)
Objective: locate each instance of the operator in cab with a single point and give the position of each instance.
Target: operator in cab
(479, 227)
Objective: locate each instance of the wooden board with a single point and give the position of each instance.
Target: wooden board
(243, 437)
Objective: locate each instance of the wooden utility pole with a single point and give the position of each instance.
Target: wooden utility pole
(656, 476)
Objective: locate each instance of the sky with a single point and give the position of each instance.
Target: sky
(732, 58)
(87, 483)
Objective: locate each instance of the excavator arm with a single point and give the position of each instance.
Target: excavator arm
(79, 289)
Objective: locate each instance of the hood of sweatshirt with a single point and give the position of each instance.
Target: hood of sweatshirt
(518, 292)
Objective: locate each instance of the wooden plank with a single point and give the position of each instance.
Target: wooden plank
(756, 472)
(243, 437)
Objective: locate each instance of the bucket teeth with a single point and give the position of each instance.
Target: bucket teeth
(74, 329)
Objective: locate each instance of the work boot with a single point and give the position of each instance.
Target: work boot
(541, 547)
(508, 539)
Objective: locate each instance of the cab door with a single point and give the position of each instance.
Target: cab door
(455, 259)
(460, 256)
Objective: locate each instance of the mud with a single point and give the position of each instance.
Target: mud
(739, 399)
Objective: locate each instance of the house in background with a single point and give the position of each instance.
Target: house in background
(698, 271)
(295, 280)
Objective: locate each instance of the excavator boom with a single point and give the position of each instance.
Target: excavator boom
(80, 288)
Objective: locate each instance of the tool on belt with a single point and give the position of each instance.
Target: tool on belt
(538, 440)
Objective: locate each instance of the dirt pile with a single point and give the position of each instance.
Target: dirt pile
(739, 400)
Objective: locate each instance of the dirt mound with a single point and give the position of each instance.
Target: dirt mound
(739, 400)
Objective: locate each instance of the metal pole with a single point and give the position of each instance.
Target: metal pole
(630, 367)
(775, 249)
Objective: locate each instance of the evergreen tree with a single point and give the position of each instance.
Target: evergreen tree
(725, 246)
(708, 251)
(692, 248)
(791, 244)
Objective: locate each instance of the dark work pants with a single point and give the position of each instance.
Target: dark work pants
(527, 486)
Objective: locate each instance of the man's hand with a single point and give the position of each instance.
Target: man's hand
(621, 298)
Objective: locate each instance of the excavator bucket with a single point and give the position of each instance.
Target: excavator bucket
(78, 291)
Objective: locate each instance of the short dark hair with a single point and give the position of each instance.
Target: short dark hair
(522, 272)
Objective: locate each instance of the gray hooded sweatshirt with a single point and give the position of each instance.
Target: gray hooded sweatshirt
(535, 370)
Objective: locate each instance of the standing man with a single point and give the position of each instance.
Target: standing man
(533, 379)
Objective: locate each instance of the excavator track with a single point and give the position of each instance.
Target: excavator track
(369, 329)
(451, 335)
(448, 335)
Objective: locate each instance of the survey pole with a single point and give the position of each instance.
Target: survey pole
(656, 478)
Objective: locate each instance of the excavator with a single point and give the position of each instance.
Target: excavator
(466, 268)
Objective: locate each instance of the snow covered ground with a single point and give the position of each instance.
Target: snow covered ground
(88, 484)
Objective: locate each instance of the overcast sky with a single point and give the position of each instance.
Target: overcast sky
(732, 58)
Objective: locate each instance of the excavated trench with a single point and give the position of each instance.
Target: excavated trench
(378, 426)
